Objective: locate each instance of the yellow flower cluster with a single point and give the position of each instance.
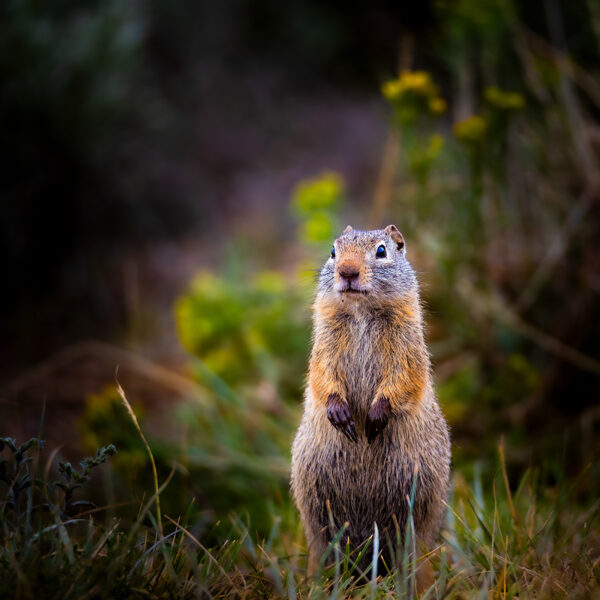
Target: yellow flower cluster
(417, 82)
(414, 84)
(471, 130)
(508, 101)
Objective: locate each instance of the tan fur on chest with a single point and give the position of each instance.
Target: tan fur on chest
(364, 346)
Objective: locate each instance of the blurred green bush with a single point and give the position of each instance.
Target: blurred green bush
(246, 331)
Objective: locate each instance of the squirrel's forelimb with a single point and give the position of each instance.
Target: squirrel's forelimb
(393, 334)
(338, 413)
(378, 417)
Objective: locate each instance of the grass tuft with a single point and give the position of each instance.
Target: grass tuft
(54, 545)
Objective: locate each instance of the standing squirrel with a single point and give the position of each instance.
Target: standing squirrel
(371, 420)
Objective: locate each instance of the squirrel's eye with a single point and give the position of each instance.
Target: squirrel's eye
(333, 252)
(381, 253)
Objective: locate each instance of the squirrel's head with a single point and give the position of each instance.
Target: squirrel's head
(368, 264)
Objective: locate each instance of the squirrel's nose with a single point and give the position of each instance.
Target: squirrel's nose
(348, 272)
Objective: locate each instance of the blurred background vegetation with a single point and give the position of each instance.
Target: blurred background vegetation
(173, 176)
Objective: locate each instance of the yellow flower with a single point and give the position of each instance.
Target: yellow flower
(509, 101)
(391, 90)
(437, 105)
(471, 130)
(417, 83)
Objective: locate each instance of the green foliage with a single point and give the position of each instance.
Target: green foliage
(316, 202)
(245, 331)
(422, 159)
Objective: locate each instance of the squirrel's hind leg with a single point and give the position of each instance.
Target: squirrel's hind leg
(316, 549)
(424, 573)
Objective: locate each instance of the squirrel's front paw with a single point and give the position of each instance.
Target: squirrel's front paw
(378, 417)
(338, 414)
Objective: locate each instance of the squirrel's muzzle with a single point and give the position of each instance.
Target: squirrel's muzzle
(349, 272)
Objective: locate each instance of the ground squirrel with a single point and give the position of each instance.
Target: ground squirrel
(370, 413)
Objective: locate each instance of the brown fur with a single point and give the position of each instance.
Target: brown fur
(369, 352)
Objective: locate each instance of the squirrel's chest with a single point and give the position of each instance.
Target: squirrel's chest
(361, 363)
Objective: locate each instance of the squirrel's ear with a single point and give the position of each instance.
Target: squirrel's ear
(348, 229)
(393, 232)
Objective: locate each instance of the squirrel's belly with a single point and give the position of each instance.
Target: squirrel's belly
(362, 483)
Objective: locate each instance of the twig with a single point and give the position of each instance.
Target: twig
(493, 306)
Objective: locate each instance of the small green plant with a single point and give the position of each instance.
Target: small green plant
(73, 479)
(17, 480)
(29, 499)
